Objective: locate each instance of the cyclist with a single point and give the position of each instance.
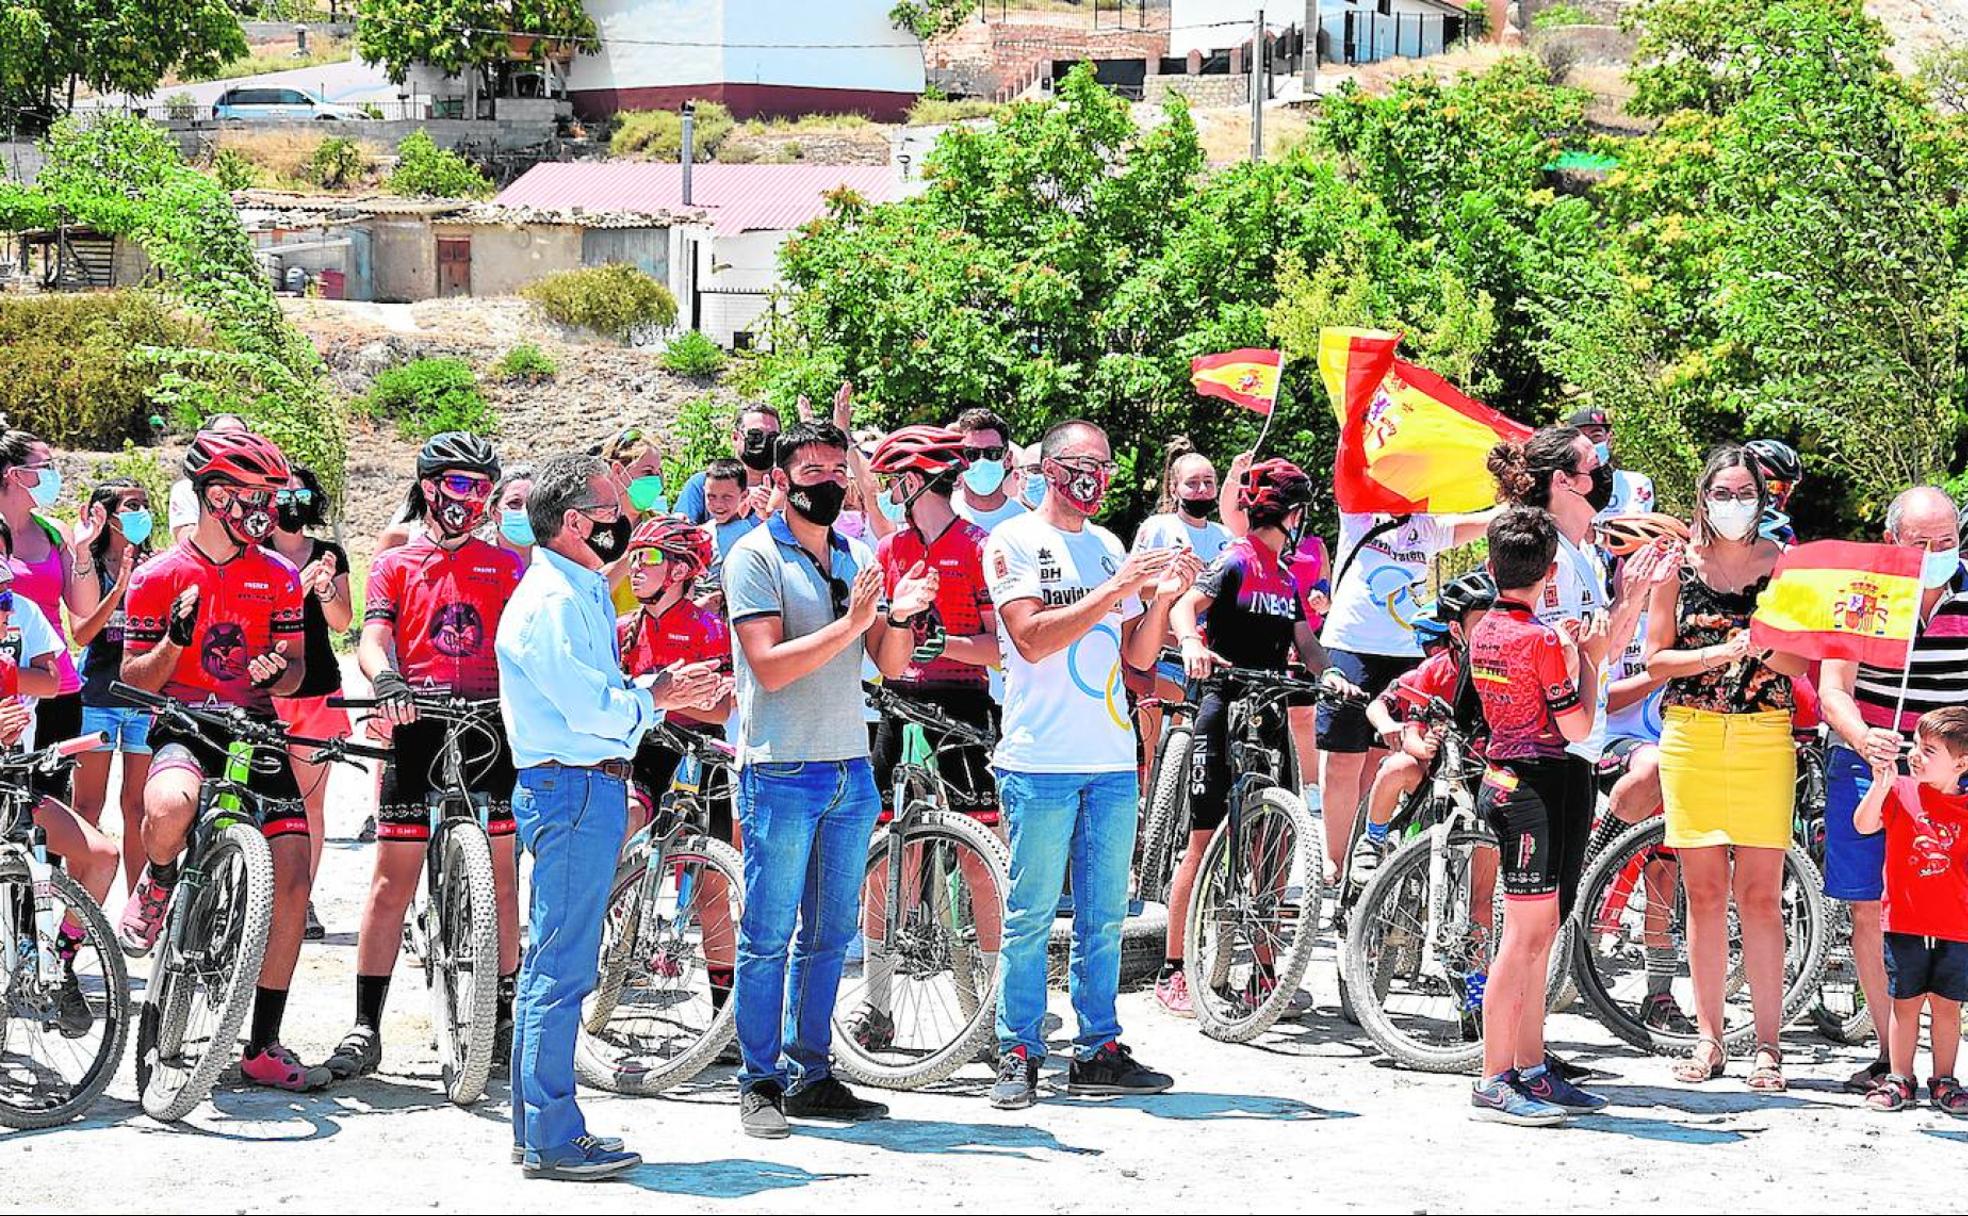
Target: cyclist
(433, 610)
(216, 616)
(1783, 472)
(1254, 618)
(953, 646)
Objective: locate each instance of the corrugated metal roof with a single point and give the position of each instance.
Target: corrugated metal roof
(735, 198)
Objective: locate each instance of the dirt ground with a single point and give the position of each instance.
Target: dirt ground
(1306, 1118)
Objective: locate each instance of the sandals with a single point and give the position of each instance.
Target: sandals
(1768, 1078)
(1947, 1096)
(1691, 1070)
(1892, 1093)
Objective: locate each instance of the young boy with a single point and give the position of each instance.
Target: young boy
(1537, 687)
(1925, 914)
(729, 506)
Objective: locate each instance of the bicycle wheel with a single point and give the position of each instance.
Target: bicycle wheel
(202, 984)
(461, 961)
(1168, 796)
(658, 1019)
(1250, 932)
(1839, 1013)
(1618, 916)
(922, 1003)
(48, 1077)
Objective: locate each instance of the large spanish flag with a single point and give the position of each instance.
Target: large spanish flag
(1409, 441)
(1834, 599)
(1247, 377)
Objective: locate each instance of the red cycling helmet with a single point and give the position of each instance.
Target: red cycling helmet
(240, 457)
(929, 450)
(1274, 488)
(678, 538)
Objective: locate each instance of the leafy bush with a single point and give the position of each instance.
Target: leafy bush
(703, 433)
(658, 134)
(140, 465)
(1561, 14)
(525, 364)
(234, 170)
(338, 162)
(613, 300)
(424, 170)
(65, 368)
(928, 18)
(690, 353)
(426, 396)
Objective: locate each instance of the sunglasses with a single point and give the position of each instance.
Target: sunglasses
(252, 500)
(976, 454)
(293, 498)
(642, 558)
(464, 485)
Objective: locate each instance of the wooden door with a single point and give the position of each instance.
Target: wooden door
(453, 266)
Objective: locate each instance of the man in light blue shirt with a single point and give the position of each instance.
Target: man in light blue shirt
(573, 722)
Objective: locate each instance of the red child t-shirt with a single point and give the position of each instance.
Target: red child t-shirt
(1518, 665)
(1926, 862)
(962, 598)
(443, 606)
(245, 606)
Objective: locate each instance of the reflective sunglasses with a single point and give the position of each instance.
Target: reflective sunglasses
(464, 485)
(646, 557)
(991, 453)
(293, 498)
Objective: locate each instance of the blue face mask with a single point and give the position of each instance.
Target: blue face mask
(47, 490)
(1938, 569)
(1604, 451)
(892, 510)
(1032, 491)
(516, 527)
(136, 525)
(984, 477)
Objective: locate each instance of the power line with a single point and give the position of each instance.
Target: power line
(1023, 44)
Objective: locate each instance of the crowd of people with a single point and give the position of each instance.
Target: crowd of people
(1599, 639)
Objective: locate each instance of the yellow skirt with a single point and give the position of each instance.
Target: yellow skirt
(1727, 778)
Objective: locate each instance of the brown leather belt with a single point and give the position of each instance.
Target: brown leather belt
(618, 769)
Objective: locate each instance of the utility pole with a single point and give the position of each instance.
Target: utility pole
(1257, 90)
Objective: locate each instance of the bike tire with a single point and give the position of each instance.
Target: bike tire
(636, 899)
(1167, 799)
(466, 911)
(116, 1012)
(1207, 970)
(979, 1005)
(1840, 1013)
(621, 920)
(169, 1093)
(1804, 956)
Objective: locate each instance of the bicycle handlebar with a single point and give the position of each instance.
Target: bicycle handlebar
(929, 717)
(705, 748)
(433, 703)
(48, 757)
(1271, 682)
(214, 718)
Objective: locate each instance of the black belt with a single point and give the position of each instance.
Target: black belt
(618, 769)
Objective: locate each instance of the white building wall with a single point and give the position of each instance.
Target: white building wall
(772, 42)
(1209, 25)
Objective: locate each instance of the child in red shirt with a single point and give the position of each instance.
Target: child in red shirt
(1926, 909)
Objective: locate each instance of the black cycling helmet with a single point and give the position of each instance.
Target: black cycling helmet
(459, 450)
(1475, 591)
(1778, 460)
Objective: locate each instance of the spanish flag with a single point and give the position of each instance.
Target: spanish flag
(1247, 377)
(1409, 441)
(1834, 599)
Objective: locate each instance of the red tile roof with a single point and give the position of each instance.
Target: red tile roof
(734, 198)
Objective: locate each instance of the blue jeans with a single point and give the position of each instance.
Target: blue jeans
(571, 820)
(1087, 820)
(806, 828)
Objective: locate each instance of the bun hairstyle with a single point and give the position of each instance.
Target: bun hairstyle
(1523, 471)
(1179, 449)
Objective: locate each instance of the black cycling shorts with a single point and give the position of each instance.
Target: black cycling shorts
(1343, 726)
(655, 766)
(56, 719)
(1541, 811)
(966, 771)
(1209, 762)
(416, 771)
(272, 778)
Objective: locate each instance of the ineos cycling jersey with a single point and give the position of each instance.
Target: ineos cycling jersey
(1254, 605)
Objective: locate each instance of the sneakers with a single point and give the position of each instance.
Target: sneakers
(279, 1068)
(607, 1144)
(367, 833)
(1947, 1096)
(828, 1099)
(315, 930)
(762, 1112)
(1017, 1086)
(1660, 1011)
(1893, 1093)
(1368, 853)
(358, 1054)
(73, 1017)
(1498, 1100)
(1172, 993)
(143, 916)
(586, 1159)
(1550, 1088)
(1114, 1070)
(1862, 1081)
(872, 1029)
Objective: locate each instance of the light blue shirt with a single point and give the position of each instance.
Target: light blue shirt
(561, 688)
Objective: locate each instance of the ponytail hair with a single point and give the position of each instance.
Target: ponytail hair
(1180, 449)
(1523, 471)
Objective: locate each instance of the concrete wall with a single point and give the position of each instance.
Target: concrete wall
(1213, 25)
(1200, 90)
(507, 258)
(403, 259)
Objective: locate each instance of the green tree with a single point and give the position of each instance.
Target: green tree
(424, 170)
(460, 36)
(49, 48)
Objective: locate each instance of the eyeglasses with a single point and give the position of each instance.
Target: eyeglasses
(976, 454)
(1720, 496)
(646, 557)
(293, 498)
(1088, 464)
(252, 500)
(464, 485)
(612, 512)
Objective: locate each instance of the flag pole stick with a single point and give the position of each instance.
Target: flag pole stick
(1275, 395)
(1906, 664)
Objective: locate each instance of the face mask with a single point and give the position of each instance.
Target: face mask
(1032, 491)
(984, 477)
(756, 454)
(646, 493)
(1604, 451)
(1601, 495)
(456, 516)
(136, 525)
(609, 540)
(1732, 520)
(819, 503)
(291, 518)
(246, 525)
(47, 491)
(516, 526)
(1937, 570)
(1198, 508)
(1083, 490)
(891, 510)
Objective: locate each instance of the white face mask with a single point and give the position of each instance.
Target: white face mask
(1733, 520)
(1938, 569)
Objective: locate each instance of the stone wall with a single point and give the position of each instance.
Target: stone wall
(1200, 90)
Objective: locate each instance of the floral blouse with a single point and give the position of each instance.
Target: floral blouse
(1707, 617)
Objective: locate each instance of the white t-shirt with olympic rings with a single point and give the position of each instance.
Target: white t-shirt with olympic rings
(1375, 605)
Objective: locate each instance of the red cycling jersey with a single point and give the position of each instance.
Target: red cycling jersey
(685, 633)
(962, 598)
(443, 608)
(245, 606)
(1518, 666)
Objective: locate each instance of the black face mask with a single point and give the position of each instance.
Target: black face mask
(1601, 495)
(758, 449)
(291, 519)
(608, 540)
(819, 503)
(1198, 508)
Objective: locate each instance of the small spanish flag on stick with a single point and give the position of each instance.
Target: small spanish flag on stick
(1835, 599)
(1247, 377)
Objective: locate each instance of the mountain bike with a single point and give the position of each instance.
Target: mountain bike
(452, 930)
(922, 1002)
(1839, 1013)
(1165, 813)
(656, 1019)
(58, 958)
(1424, 927)
(1255, 905)
(215, 929)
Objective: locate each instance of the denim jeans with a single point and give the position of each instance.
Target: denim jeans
(1086, 820)
(806, 828)
(571, 820)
